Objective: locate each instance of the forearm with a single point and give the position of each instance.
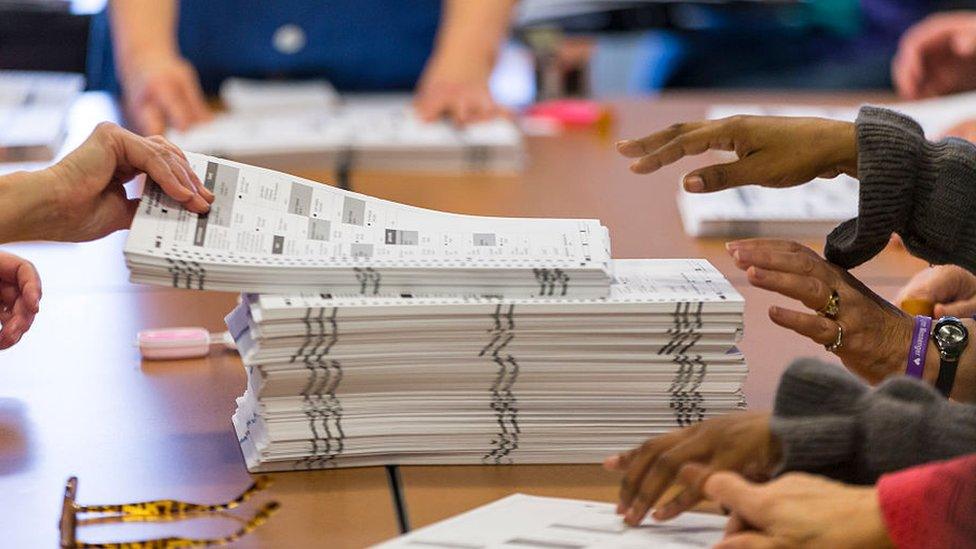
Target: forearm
(830, 423)
(143, 29)
(923, 191)
(471, 33)
(28, 205)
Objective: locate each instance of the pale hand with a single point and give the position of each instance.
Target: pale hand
(773, 151)
(964, 130)
(456, 90)
(937, 56)
(796, 510)
(90, 200)
(20, 298)
(163, 91)
(952, 289)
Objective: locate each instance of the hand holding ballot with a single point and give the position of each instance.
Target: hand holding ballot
(772, 151)
(82, 197)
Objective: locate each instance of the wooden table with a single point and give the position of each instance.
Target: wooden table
(75, 398)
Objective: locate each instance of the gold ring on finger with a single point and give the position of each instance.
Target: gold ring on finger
(832, 308)
(832, 347)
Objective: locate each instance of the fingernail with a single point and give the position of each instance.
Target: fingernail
(731, 245)
(694, 184)
(758, 274)
(633, 167)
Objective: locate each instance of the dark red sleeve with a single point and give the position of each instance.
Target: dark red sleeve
(932, 505)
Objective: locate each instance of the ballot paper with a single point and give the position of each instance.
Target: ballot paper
(527, 521)
(274, 233)
(344, 382)
(34, 109)
(304, 126)
(806, 210)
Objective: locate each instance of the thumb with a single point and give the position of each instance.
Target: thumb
(738, 494)
(717, 177)
(131, 207)
(961, 309)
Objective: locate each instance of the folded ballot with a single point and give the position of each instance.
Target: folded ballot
(308, 126)
(358, 381)
(521, 520)
(816, 207)
(270, 232)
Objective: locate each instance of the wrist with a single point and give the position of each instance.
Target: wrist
(30, 202)
(845, 155)
(875, 532)
(135, 59)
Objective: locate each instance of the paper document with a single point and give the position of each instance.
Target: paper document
(306, 126)
(812, 209)
(346, 382)
(526, 522)
(274, 233)
(34, 109)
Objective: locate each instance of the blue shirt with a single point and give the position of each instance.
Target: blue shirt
(355, 44)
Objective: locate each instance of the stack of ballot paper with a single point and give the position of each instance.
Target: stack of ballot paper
(34, 108)
(274, 233)
(307, 126)
(814, 208)
(337, 382)
(520, 520)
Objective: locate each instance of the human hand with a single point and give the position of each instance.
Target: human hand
(773, 151)
(874, 335)
(86, 198)
(457, 90)
(952, 289)
(937, 56)
(161, 91)
(795, 510)
(20, 298)
(739, 442)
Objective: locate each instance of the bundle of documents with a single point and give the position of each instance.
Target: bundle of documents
(814, 208)
(274, 233)
(340, 382)
(34, 109)
(520, 520)
(307, 126)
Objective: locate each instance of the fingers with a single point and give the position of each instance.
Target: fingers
(809, 290)
(23, 280)
(750, 170)
(148, 118)
(662, 473)
(819, 329)
(960, 309)
(736, 493)
(165, 167)
(640, 459)
(691, 477)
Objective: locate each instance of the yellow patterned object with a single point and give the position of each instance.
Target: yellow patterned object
(158, 510)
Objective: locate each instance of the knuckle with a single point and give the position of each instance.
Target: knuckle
(666, 462)
(676, 128)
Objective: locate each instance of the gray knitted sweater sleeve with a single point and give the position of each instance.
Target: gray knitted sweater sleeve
(831, 423)
(924, 191)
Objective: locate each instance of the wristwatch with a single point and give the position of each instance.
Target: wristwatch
(950, 337)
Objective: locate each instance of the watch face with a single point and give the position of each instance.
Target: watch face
(951, 337)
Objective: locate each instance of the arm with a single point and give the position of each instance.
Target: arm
(830, 423)
(931, 505)
(82, 198)
(924, 191)
(455, 80)
(160, 88)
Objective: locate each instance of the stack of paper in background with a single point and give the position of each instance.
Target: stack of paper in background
(34, 109)
(341, 382)
(308, 126)
(271, 232)
(807, 210)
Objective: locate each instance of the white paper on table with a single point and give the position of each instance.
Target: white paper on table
(527, 521)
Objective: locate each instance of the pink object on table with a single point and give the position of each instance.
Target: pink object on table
(175, 343)
(570, 112)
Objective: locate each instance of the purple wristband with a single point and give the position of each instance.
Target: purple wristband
(918, 347)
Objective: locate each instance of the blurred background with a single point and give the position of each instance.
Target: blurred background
(596, 48)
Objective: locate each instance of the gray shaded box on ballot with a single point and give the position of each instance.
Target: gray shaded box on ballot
(318, 229)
